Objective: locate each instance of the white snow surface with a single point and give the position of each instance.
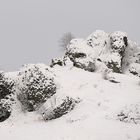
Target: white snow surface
(94, 118)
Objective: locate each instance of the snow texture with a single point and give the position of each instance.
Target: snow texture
(96, 93)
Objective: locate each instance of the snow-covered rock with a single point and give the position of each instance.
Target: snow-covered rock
(134, 68)
(81, 54)
(115, 50)
(118, 42)
(98, 39)
(56, 62)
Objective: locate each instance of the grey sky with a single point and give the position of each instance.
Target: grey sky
(30, 29)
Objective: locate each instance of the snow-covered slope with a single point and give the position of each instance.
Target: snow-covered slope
(95, 117)
(92, 93)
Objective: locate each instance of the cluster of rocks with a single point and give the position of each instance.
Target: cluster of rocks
(115, 50)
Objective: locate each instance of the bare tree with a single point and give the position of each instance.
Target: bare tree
(65, 40)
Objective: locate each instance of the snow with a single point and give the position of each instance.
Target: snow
(135, 68)
(109, 103)
(98, 39)
(79, 45)
(94, 118)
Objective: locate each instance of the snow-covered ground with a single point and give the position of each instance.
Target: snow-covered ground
(94, 118)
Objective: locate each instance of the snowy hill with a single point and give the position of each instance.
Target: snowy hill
(80, 97)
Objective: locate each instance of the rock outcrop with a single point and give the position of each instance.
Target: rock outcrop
(115, 50)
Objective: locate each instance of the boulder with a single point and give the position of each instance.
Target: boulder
(80, 55)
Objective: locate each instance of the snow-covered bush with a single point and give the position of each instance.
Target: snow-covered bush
(6, 107)
(6, 86)
(35, 85)
(6, 96)
(5, 111)
(49, 112)
(130, 114)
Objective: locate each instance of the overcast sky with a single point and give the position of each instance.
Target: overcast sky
(30, 29)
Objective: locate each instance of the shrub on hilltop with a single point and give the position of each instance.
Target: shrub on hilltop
(35, 85)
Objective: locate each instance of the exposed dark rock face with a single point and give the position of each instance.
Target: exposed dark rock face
(114, 66)
(56, 62)
(88, 67)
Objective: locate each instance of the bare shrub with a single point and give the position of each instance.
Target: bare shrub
(65, 40)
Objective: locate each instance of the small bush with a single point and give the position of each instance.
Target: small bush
(65, 40)
(130, 114)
